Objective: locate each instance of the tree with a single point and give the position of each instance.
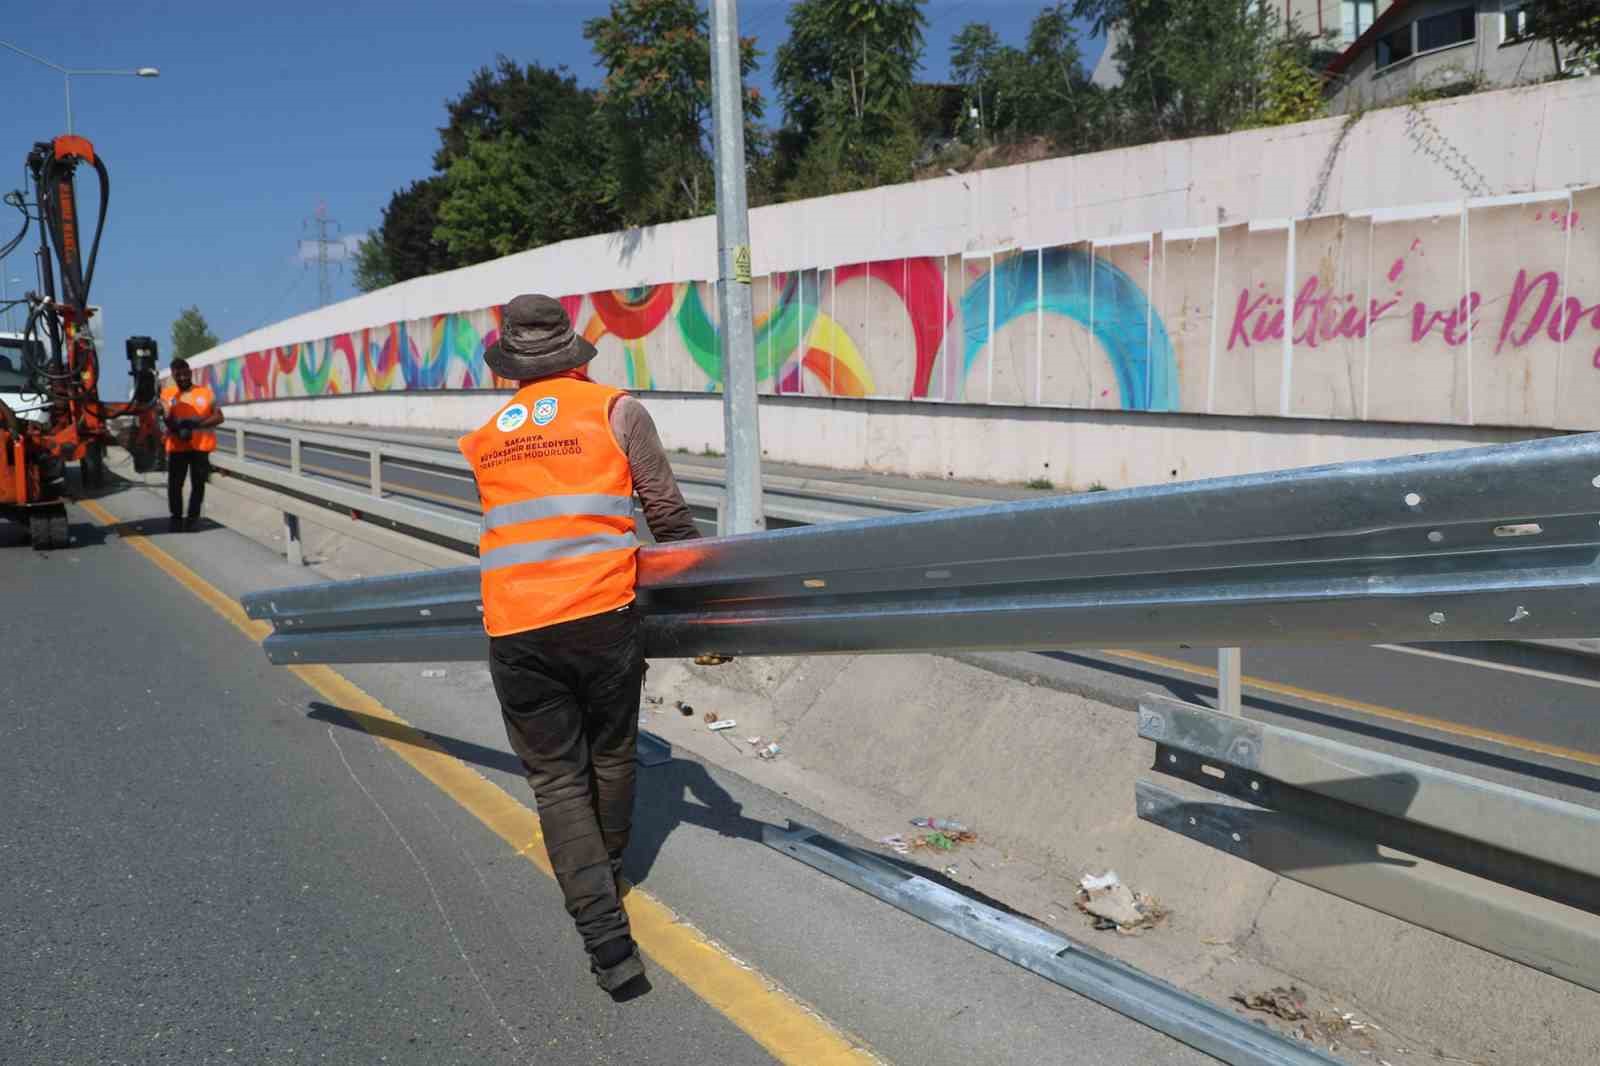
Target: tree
(1573, 25)
(372, 265)
(191, 335)
(975, 55)
(845, 76)
(403, 246)
(1038, 90)
(656, 105)
(1189, 68)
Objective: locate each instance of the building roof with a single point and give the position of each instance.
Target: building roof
(1379, 27)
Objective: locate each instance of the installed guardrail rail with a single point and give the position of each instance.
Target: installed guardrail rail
(372, 489)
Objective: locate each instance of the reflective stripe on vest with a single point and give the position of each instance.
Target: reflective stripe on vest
(510, 514)
(557, 539)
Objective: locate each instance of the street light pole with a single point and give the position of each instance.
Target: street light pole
(741, 426)
(66, 74)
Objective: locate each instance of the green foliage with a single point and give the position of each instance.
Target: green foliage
(845, 78)
(1189, 68)
(403, 246)
(527, 157)
(1573, 25)
(656, 108)
(372, 264)
(191, 335)
(1291, 91)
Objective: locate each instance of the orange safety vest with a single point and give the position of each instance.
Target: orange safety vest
(198, 402)
(558, 536)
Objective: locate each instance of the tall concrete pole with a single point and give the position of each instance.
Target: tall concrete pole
(741, 429)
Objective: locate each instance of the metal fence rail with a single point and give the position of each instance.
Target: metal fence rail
(1493, 543)
(1506, 870)
(372, 488)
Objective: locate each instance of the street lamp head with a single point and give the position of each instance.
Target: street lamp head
(148, 72)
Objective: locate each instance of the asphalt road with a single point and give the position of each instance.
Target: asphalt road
(206, 862)
(1447, 695)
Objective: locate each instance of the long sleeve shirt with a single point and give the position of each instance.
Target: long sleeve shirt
(653, 482)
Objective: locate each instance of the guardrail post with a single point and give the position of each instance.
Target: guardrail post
(376, 458)
(291, 537)
(238, 442)
(294, 455)
(1230, 667)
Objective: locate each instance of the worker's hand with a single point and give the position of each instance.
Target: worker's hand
(712, 660)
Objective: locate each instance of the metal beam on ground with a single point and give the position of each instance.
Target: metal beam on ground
(1090, 973)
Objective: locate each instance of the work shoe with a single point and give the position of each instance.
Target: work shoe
(615, 963)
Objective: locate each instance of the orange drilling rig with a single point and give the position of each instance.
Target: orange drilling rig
(65, 420)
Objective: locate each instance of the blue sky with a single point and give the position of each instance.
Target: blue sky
(263, 112)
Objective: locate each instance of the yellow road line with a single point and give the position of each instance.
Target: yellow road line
(784, 1027)
(1376, 710)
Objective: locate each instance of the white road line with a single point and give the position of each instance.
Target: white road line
(1505, 668)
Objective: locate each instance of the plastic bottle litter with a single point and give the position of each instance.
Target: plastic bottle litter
(943, 825)
(771, 751)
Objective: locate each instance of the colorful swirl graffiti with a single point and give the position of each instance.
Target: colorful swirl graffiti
(836, 332)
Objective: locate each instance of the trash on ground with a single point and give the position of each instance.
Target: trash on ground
(753, 741)
(654, 701)
(946, 825)
(719, 726)
(771, 751)
(711, 716)
(1113, 905)
(1286, 1003)
(950, 871)
(945, 841)
(684, 708)
(897, 843)
(435, 673)
(1329, 1029)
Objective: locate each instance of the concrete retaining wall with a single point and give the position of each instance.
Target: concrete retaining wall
(1416, 265)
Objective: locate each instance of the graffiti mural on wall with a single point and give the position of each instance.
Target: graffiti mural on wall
(1485, 315)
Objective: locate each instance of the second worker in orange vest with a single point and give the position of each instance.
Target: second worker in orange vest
(557, 469)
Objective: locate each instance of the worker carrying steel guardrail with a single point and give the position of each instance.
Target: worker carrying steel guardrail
(557, 468)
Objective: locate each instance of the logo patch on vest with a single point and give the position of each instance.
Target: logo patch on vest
(511, 418)
(544, 411)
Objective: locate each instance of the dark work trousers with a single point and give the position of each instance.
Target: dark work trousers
(570, 697)
(197, 467)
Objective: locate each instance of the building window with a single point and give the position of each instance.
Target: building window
(1427, 34)
(1394, 46)
(1442, 31)
(1520, 21)
(1357, 16)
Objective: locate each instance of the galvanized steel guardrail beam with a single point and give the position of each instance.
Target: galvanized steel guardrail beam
(1486, 544)
(800, 500)
(1503, 869)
